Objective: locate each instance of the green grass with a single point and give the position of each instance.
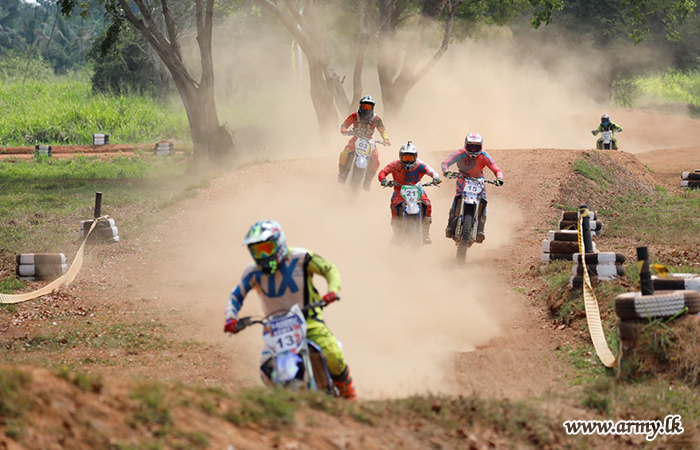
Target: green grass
(659, 219)
(66, 111)
(43, 202)
(600, 175)
(671, 87)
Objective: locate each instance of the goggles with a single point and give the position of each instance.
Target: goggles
(474, 148)
(408, 158)
(367, 106)
(262, 250)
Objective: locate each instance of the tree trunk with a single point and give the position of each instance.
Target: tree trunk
(322, 99)
(211, 141)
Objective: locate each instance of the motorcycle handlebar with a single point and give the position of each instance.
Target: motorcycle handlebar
(245, 322)
(459, 175)
(393, 183)
(353, 134)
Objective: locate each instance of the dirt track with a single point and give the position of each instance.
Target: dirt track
(410, 322)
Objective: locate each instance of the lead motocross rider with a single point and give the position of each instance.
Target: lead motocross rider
(471, 160)
(364, 121)
(408, 169)
(282, 276)
(606, 125)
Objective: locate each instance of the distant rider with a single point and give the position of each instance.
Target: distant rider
(282, 276)
(606, 125)
(364, 121)
(471, 160)
(408, 169)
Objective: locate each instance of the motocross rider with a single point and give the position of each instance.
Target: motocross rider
(408, 169)
(282, 276)
(471, 160)
(607, 125)
(364, 121)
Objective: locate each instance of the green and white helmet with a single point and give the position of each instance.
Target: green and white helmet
(267, 245)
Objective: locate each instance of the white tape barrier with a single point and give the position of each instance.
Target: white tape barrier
(55, 284)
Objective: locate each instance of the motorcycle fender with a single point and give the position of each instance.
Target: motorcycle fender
(361, 162)
(286, 367)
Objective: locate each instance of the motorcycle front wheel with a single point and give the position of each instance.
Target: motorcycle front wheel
(413, 230)
(464, 244)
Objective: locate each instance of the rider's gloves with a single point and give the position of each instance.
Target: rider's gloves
(384, 182)
(594, 132)
(330, 298)
(437, 180)
(448, 174)
(499, 181)
(618, 130)
(387, 142)
(230, 326)
(344, 131)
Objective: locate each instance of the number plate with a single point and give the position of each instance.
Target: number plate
(607, 136)
(411, 195)
(472, 187)
(285, 334)
(362, 146)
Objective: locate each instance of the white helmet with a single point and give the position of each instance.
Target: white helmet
(473, 143)
(408, 154)
(366, 109)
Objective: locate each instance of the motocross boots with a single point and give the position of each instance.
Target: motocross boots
(480, 236)
(426, 230)
(344, 384)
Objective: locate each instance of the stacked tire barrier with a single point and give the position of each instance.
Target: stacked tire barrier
(677, 282)
(637, 309)
(40, 266)
(563, 243)
(100, 139)
(163, 148)
(105, 231)
(569, 221)
(690, 180)
(602, 266)
(42, 150)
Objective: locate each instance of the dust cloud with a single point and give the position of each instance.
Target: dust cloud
(404, 315)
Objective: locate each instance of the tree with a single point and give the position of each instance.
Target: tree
(412, 35)
(159, 25)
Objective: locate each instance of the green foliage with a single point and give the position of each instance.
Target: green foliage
(13, 397)
(638, 217)
(67, 112)
(84, 382)
(18, 67)
(34, 31)
(154, 409)
(670, 87)
(600, 175)
(597, 395)
(42, 203)
(274, 407)
(125, 68)
(11, 285)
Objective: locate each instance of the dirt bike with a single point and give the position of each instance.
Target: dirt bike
(290, 360)
(605, 141)
(411, 211)
(470, 204)
(360, 160)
